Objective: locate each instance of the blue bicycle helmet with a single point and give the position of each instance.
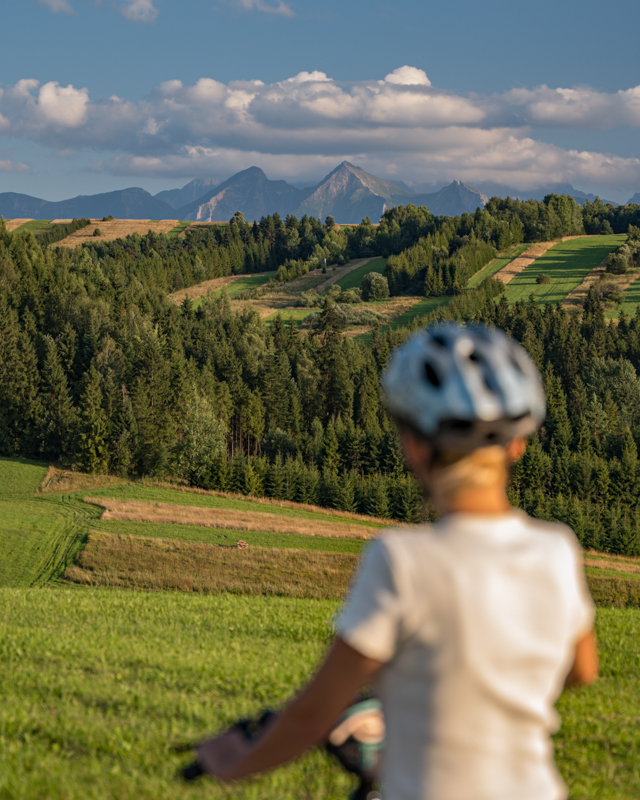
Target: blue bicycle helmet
(464, 386)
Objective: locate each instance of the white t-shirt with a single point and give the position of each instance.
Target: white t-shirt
(476, 620)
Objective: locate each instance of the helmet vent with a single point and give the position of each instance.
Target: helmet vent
(431, 375)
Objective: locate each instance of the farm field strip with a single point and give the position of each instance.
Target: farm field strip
(136, 562)
(567, 263)
(498, 263)
(225, 518)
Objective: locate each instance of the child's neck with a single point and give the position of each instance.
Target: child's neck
(491, 501)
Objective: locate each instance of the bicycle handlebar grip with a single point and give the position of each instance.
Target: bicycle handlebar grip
(192, 771)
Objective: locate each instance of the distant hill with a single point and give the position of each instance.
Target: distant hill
(197, 188)
(634, 199)
(132, 203)
(250, 192)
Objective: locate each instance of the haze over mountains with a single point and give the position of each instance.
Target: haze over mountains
(348, 194)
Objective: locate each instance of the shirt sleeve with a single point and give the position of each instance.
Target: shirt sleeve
(371, 617)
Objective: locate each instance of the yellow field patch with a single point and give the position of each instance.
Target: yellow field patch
(116, 229)
(133, 562)
(226, 518)
(13, 224)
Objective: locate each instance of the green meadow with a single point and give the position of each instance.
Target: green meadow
(99, 684)
(354, 279)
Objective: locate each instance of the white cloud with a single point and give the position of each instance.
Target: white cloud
(9, 166)
(139, 10)
(58, 6)
(302, 125)
(63, 106)
(408, 76)
(268, 8)
(134, 10)
(581, 107)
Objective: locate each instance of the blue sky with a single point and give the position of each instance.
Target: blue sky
(102, 95)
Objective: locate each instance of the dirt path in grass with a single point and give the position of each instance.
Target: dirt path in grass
(225, 518)
(531, 254)
(338, 277)
(12, 224)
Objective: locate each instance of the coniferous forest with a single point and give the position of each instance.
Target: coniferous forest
(101, 370)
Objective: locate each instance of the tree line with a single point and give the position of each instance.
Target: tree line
(100, 370)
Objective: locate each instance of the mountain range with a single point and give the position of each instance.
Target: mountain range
(348, 194)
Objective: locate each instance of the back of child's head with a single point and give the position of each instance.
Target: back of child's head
(468, 390)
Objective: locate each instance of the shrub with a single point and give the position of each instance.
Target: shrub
(350, 296)
(374, 287)
(616, 264)
(608, 292)
(97, 232)
(107, 219)
(542, 277)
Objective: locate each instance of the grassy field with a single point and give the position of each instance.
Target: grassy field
(35, 226)
(40, 534)
(354, 279)
(630, 301)
(161, 632)
(98, 684)
(424, 306)
(244, 284)
(567, 263)
(496, 265)
(181, 226)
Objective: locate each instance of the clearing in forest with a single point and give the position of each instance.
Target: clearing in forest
(567, 263)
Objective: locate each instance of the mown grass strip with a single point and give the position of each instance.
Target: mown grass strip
(34, 226)
(496, 265)
(354, 279)
(567, 264)
(177, 229)
(225, 537)
(131, 562)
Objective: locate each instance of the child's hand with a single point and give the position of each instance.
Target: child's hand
(220, 757)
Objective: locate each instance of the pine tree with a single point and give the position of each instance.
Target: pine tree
(91, 450)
